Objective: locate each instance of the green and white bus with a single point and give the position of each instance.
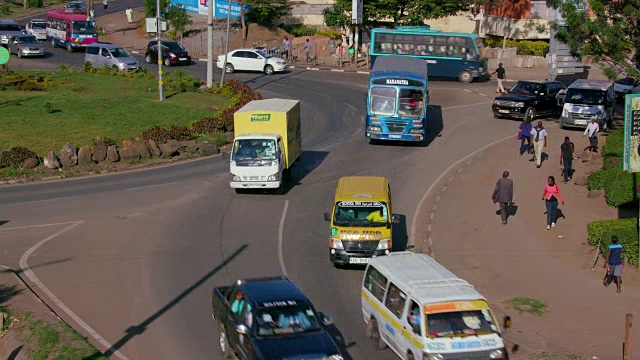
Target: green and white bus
(449, 55)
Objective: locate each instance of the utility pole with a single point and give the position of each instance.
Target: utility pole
(627, 336)
(158, 36)
(226, 44)
(210, 43)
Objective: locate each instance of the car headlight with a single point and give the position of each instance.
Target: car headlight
(497, 354)
(336, 357)
(518, 104)
(121, 64)
(497, 102)
(274, 177)
(235, 177)
(384, 244)
(374, 128)
(434, 357)
(565, 113)
(600, 114)
(415, 131)
(172, 55)
(336, 244)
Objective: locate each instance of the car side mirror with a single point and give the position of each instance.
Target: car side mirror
(327, 216)
(327, 320)
(395, 219)
(242, 329)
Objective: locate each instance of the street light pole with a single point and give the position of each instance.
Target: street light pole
(226, 44)
(210, 43)
(158, 36)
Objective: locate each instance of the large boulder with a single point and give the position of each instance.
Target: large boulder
(68, 155)
(206, 148)
(594, 194)
(112, 153)
(169, 148)
(187, 143)
(100, 151)
(128, 153)
(51, 161)
(193, 147)
(141, 147)
(581, 181)
(29, 163)
(153, 147)
(84, 155)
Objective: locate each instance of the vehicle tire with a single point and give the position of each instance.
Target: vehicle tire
(224, 344)
(147, 58)
(268, 70)
(53, 43)
(376, 337)
(605, 125)
(19, 54)
(229, 68)
(465, 77)
(560, 125)
(167, 62)
(69, 47)
(530, 114)
(409, 355)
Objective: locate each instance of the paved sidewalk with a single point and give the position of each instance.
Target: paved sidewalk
(523, 259)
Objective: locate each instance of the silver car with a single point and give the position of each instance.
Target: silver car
(113, 56)
(25, 45)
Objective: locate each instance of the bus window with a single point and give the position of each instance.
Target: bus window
(480, 45)
(411, 103)
(383, 101)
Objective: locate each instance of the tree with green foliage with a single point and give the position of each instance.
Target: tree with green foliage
(611, 36)
(179, 19)
(150, 8)
(267, 13)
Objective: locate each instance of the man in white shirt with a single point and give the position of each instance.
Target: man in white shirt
(539, 140)
(592, 132)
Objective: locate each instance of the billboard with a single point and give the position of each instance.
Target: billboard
(220, 7)
(632, 133)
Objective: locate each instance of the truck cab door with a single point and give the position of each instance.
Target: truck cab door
(281, 156)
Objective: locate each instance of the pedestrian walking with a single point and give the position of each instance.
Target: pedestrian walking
(307, 50)
(592, 132)
(551, 196)
(503, 194)
(129, 13)
(105, 5)
(566, 158)
(614, 263)
(91, 14)
(501, 78)
(524, 134)
(286, 44)
(539, 140)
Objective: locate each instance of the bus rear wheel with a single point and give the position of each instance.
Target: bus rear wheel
(53, 43)
(69, 47)
(465, 76)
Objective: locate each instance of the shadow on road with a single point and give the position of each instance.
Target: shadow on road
(15, 352)
(309, 161)
(276, 78)
(2, 222)
(337, 336)
(139, 329)
(400, 241)
(8, 292)
(20, 271)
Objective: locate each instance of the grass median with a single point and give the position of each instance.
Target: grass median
(77, 107)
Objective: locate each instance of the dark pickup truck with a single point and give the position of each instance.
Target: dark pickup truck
(270, 318)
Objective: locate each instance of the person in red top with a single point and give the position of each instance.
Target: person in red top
(551, 196)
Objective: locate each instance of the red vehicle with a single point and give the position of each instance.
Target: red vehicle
(70, 30)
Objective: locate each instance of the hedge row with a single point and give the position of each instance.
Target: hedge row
(620, 187)
(626, 230)
(614, 146)
(525, 47)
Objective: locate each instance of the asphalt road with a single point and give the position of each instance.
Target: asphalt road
(150, 245)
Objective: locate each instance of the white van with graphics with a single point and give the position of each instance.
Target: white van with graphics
(423, 311)
(588, 98)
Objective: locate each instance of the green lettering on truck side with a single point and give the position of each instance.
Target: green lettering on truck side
(260, 117)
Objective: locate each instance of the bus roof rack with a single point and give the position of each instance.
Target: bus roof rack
(400, 63)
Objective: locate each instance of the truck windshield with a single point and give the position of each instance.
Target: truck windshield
(286, 320)
(361, 214)
(411, 103)
(460, 324)
(585, 97)
(84, 27)
(38, 25)
(383, 100)
(524, 88)
(254, 149)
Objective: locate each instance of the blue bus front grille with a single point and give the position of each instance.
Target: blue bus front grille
(396, 127)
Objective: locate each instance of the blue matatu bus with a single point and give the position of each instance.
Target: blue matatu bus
(455, 55)
(397, 99)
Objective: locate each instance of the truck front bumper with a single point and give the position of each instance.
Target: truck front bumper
(341, 257)
(255, 184)
(394, 137)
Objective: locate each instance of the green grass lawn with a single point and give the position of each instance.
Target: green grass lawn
(11, 8)
(92, 105)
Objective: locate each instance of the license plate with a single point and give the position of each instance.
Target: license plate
(503, 111)
(359, 260)
(581, 122)
(395, 136)
(183, 59)
(252, 185)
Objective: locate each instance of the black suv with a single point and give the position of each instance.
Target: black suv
(529, 99)
(172, 53)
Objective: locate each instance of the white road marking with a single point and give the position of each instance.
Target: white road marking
(39, 225)
(351, 107)
(414, 220)
(150, 186)
(467, 105)
(39, 201)
(355, 133)
(34, 279)
(467, 90)
(280, 238)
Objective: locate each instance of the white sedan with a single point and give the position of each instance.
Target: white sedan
(251, 60)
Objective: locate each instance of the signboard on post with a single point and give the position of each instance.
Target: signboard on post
(152, 25)
(632, 133)
(356, 12)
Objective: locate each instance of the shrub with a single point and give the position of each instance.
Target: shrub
(525, 47)
(614, 145)
(157, 134)
(625, 229)
(298, 30)
(107, 141)
(181, 81)
(620, 187)
(180, 133)
(597, 180)
(15, 156)
(329, 33)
